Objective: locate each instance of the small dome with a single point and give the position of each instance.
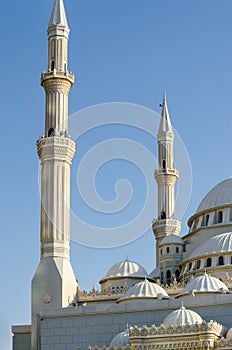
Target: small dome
(126, 268)
(144, 290)
(121, 339)
(182, 317)
(220, 195)
(204, 284)
(155, 273)
(229, 335)
(170, 239)
(217, 244)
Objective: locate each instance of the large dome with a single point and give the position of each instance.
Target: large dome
(126, 268)
(144, 290)
(182, 317)
(220, 195)
(217, 244)
(204, 284)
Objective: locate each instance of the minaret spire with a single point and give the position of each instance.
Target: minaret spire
(58, 16)
(165, 122)
(54, 283)
(166, 176)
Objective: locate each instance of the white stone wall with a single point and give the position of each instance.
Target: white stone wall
(21, 337)
(72, 328)
(22, 342)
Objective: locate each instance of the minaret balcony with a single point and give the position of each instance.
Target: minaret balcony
(167, 171)
(56, 148)
(166, 226)
(57, 75)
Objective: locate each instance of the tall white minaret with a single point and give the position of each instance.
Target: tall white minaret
(166, 176)
(54, 283)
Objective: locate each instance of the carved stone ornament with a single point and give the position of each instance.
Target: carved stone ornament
(47, 299)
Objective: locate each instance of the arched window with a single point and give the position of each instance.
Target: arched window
(163, 215)
(52, 65)
(209, 262)
(161, 251)
(195, 224)
(168, 276)
(220, 260)
(164, 164)
(50, 132)
(162, 277)
(203, 221)
(167, 249)
(177, 249)
(198, 264)
(206, 220)
(220, 216)
(177, 273)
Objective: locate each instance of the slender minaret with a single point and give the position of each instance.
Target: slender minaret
(166, 177)
(54, 283)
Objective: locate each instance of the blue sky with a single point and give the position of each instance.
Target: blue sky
(120, 51)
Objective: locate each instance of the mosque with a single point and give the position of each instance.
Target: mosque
(185, 303)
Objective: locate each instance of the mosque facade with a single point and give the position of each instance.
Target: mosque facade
(184, 303)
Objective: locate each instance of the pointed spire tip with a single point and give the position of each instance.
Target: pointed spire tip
(164, 97)
(165, 123)
(58, 16)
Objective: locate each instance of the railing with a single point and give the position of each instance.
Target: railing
(166, 171)
(167, 222)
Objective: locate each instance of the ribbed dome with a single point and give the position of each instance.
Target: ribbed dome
(171, 239)
(126, 268)
(182, 317)
(219, 195)
(204, 284)
(121, 339)
(217, 244)
(144, 290)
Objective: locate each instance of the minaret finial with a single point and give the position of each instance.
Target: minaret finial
(164, 96)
